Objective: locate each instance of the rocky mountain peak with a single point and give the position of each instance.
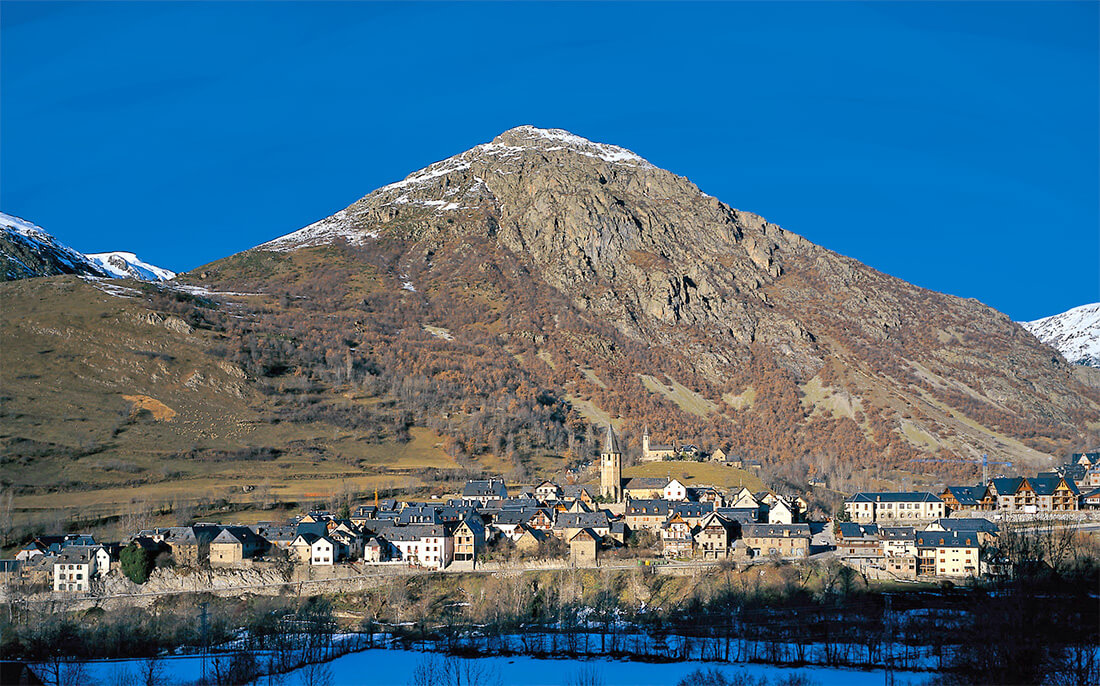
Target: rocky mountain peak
(531, 138)
(587, 250)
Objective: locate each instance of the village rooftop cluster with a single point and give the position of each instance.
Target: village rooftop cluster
(899, 535)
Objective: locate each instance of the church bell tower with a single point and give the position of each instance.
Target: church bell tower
(611, 468)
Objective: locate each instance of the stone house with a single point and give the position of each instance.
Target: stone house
(784, 540)
(676, 537)
(902, 566)
(715, 535)
(485, 490)
(469, 541)
(854, 540)
(234, 544)
(584, 548)
(648, 514)
(567, 524)
(190, 545)
(644, 488)
(375, 550)
(315, 550)
(548, 490)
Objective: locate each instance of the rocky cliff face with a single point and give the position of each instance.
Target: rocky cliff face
(721, 292)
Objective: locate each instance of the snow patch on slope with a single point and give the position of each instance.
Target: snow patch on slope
(1075, 333)
(127, 265)
(319, 233)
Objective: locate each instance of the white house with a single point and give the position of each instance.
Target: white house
(427, 545)
(674, 490)
(780, 512)
(77, 565)
(315, 550)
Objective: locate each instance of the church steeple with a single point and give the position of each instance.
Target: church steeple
(610, 446)
(611, 468)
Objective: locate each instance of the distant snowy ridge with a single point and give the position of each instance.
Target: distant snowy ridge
(1075, 334)
(27, 250)
(127, 265)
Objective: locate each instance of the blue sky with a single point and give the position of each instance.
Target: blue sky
(953, 145)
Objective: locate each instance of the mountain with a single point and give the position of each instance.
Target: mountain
(26, 250)
(485, 315)
(1075, 333)
(127, 265)
(545, 273)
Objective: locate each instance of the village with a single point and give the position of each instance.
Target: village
(952, 535)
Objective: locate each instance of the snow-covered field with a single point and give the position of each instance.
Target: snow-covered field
(383, 666)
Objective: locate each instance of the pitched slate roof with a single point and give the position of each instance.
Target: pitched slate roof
(1092, 494)
(513, 517)
(419, 514)
(693, 510)
(238, 534)
(968, 495)
(518, 503)
(645, 482)
(848, 530)
(283, 532)
(744, 515)
(1044, 485)
(894, 497)
(968, 524)
(946, 539)
(583, 534)
(648, 507)
(415, 532)
(457, 514)
(775, 530)
(1006, 485)
(897, 533)
(484, 488)
(581, 520)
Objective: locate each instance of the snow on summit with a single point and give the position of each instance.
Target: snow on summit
(127, 265)
(453, 184)
(1075, 333)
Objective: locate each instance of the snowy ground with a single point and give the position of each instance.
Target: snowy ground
(386, 667)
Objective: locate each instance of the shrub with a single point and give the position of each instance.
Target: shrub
(136, 562)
